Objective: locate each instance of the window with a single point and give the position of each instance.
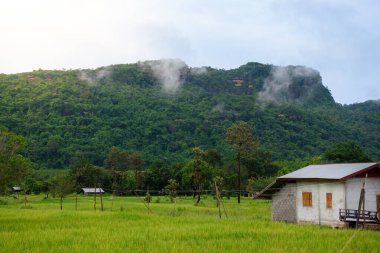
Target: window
(307, 199)
(329, 200)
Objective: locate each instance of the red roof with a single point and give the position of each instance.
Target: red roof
(238, 81)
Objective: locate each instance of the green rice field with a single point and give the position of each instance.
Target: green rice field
(126, 225)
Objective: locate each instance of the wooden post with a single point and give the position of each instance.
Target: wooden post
(359, 209)
(95, 198)
(218, 199)
(361, 206)
(366, 175)
(101, 199)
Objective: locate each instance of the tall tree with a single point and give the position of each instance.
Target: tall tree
(63, 185)
(136, 164)
(240, 136)
(198, 177)
(171, 190)
(117, 159)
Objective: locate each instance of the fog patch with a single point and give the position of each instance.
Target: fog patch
(278, 86)
(218, 108)
(91, 77)
(168, 73)
(198, 71)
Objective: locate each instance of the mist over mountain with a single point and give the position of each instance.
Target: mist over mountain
(164, 108)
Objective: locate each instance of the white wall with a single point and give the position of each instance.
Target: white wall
(353, 188)
(318, 213)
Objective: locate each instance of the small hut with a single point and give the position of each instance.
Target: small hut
(91, 191)
(16, 189)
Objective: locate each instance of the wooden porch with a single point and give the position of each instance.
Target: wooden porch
(351, 215)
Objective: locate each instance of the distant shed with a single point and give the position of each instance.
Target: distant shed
(90, 191)
(16, 189)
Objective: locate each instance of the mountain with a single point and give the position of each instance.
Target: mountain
(164, 108)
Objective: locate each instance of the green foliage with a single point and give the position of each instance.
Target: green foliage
(259, 163)
(148, 197)
(85, 174)
(346, 152)
(13, 166)
(68, 116)
(240, 136)
(117, 160)
(251, 186)
(195, 174)
(158, 174)
(171, 189)
(63, 185)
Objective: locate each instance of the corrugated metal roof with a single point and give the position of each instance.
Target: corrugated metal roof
(92, 190)
(327, 171)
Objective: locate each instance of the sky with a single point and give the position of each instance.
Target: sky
(339, 38)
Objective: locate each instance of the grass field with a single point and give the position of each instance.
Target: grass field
(126, 226)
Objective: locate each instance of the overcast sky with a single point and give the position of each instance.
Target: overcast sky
(339, 38)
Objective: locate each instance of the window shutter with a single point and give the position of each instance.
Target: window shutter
(307, 199)
(329, 200)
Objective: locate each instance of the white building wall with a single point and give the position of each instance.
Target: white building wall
(353, 189)
(318, 213)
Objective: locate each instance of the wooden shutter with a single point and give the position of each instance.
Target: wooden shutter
(328, 200)
(307, 199)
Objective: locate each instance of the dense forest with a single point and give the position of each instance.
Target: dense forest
(162, 109)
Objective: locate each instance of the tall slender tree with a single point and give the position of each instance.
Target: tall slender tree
(240, 136)
(198, 175)
(64, 185)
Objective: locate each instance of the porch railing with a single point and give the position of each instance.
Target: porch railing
(352, 215)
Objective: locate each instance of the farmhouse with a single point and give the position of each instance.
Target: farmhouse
(326, 194)
(88, 191)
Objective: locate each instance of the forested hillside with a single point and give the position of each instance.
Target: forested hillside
(162, 109)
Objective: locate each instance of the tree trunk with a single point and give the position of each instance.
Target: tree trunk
(61, 202)
(199, 197)
(239, 177)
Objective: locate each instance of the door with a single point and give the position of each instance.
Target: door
(378, 204)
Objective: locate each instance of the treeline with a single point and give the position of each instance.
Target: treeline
(124, 173)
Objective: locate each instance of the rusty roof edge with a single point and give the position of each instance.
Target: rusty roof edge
(268, 187)
(360, 171)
